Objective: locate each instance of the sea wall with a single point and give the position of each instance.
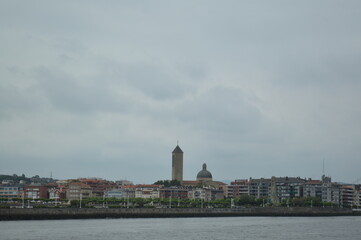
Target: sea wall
(77, 213)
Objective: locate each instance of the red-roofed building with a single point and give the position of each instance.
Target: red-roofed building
(237, 188)
(313, 188)
(57, 191)
(98, 186)
(348, 195)
(129, 191)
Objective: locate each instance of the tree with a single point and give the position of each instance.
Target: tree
(167, 183)
(303, 202)
(261, 201)
(245, 200)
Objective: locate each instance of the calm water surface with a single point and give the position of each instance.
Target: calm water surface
(186, 228)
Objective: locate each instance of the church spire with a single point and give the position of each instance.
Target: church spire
(177, 150)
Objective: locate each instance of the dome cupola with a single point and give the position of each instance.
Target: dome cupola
(204, 174)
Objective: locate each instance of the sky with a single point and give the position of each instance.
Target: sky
(106, 89)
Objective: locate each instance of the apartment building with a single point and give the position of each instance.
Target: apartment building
(36, 191)
(173, 192)
(9, 191)
(147, 191)
(78, 190)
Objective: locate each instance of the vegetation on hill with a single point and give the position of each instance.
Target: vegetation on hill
(168, 183)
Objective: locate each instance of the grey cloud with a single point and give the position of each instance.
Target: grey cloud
(17, 94)
(83, 95)
(240, 84)
(194, 71)
(154, 82)
(221, 112)
(159, 82)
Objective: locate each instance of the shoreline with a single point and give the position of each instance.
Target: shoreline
(7, 214)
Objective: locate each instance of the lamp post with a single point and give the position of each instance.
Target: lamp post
(127, 198)
(23, 200)
(81, 195)
(170, 199)
(56, 196)
(104, 200)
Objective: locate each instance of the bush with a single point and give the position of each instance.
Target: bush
(76, 204)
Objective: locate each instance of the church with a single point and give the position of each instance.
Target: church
(204, 177)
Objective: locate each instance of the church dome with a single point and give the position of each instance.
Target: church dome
(204, 174)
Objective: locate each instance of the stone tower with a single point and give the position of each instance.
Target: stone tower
(177, 164)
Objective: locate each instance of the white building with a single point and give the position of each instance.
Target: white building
(117, 193)
(146, 191)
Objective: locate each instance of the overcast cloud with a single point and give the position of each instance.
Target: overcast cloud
(252, 88)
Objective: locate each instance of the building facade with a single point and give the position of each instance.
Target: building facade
(173, 192)
(117, 193)
(36, 191)
(11, 191)
(78, 191)
(147, 191)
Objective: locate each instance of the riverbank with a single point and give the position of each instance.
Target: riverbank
(84, 213)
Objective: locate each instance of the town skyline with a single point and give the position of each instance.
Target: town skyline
(180, 177)
(224, 179)
(274, 191)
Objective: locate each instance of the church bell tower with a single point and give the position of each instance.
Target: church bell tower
(177, 164)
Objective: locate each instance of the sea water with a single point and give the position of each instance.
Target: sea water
(185, 228)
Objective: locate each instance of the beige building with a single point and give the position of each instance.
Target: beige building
(177, 164)
(78, 190)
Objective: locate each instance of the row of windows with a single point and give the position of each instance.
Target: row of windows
(1, 193)
(8, 188)
(8, 196)
(8, 193)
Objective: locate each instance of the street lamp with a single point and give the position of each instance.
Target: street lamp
(23, 200)
(56, 196)
(170, 199)
(127, 198)
(104, 200)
